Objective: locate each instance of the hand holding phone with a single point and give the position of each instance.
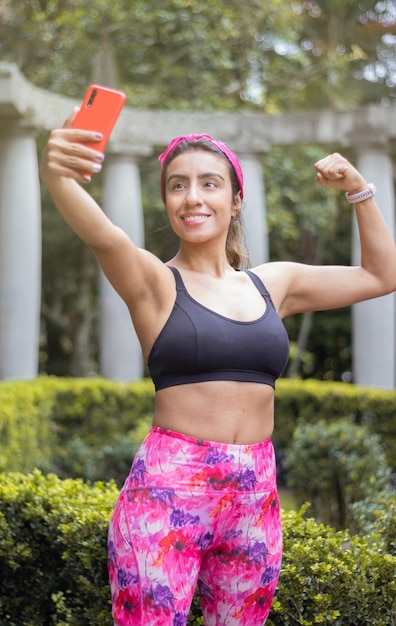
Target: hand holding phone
(99, 112)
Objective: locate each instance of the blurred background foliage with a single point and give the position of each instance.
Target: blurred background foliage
(186, 55)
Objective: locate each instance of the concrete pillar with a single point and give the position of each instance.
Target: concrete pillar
(254, 210)
(120, 353)
(374, 321)
(20, 253)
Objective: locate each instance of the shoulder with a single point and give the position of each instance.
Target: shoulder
(298, 288)
(275, 275)
(280, 279)
(144, 282)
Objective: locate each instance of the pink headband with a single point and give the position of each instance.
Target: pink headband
(193, 138)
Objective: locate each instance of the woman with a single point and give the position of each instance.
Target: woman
(200, 503)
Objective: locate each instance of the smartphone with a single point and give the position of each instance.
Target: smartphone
(99, 111)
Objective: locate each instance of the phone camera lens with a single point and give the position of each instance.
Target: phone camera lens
(92, 98)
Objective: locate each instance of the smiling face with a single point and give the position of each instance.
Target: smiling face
(199, 195)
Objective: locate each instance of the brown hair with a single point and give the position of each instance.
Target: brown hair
(236, 252)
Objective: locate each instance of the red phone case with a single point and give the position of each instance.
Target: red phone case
(99, 112)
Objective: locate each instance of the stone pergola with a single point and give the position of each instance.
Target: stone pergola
(26, 110)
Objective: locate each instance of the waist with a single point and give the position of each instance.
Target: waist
(227, 411)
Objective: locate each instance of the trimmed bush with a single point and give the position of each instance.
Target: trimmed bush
(53, 551)
(26, 437)
(377, 515)
(331, 577)
(54, 571)
(311, 401)
(90, 428)
(333, 466)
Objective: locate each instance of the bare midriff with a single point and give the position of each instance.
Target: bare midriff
(224, 411)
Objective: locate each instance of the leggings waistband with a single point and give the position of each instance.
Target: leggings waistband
(170, 458)
(232, 447)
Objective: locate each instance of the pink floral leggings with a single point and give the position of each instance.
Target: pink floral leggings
(194, 511)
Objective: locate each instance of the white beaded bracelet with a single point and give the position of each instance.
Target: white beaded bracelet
(362, 195)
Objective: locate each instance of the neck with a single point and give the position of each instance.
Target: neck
(201, 261)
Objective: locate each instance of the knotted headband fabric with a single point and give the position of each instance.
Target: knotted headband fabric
(197, 137)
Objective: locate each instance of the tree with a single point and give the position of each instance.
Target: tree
(177, 54)
(345, 43)
(182, 55)
(308, 224)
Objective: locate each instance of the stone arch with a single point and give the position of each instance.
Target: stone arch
(26, 110)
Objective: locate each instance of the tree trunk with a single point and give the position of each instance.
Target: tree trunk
(82, 357)
(303, 336)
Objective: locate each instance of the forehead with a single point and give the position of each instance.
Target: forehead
(195, 161)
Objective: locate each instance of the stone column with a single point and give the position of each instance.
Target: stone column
(120, 354)
(254, 210)
(374, 321)
(20, 253)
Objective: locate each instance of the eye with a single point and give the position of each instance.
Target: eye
(177, 185)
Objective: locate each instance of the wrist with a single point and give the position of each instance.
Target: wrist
(361, 196)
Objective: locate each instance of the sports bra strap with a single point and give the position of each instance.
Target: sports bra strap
(260, 286)
(179, 281)
(180, 286)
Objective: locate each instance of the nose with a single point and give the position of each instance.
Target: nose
(193, 197)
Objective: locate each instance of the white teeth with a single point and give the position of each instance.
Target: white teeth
(195, 218)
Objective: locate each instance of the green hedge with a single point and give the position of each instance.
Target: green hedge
(54, 572)
(53, 551)
(334, 466)
(90, 428)
(26, 436)
(377, 515)
(331, 577)
(310, 401)
(85, 428)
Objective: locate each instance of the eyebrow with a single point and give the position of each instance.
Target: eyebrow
(207, 175)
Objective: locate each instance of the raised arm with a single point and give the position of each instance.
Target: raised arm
(140, 278)
(309, 288)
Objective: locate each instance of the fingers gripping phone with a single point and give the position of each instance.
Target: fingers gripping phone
(99, 112)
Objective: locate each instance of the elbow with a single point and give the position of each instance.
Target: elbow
(387, 284)
(382, 279)
(392, 287)
(390, 283)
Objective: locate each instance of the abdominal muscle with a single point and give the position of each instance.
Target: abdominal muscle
(223, 411)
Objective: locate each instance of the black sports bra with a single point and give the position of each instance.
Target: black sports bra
(197, 344)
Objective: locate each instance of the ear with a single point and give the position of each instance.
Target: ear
(237, 204)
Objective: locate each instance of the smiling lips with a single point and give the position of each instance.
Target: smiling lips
(194, 219)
